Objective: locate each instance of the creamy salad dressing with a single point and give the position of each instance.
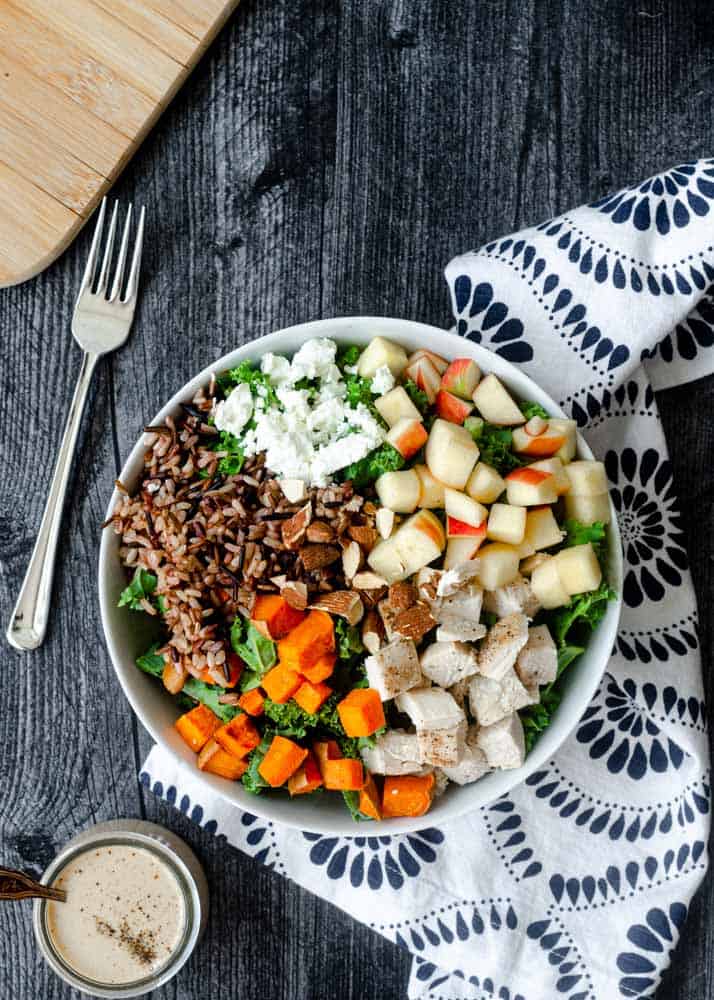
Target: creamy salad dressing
(124, 917)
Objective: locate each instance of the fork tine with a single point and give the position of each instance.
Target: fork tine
(121, 262)
(91, 267)
(102, 283)
(133, 282)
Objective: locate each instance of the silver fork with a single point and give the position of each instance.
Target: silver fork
(101, 323)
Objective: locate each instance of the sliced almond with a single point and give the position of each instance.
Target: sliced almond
(317, 556)
(279, 581)
(414, 623)
(385, 521)
(320, 531)
(294, 490)
(346, 603)
(352, 557)
(368, 581)
(365, 534)
(293, 530)
(261, 627)
(371, 598)
(402, 595)
(295, 594)
(372, 631)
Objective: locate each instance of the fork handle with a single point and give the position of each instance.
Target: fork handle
(29, 619)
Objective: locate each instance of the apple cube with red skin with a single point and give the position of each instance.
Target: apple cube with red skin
(423, 373)
(386, 561)
(506, 523)
(485, 484)
(497, 565)
(462, 549)
(419, 540)
(556, 469)
(379, 352)
(588, 510)
(547, 585)
(542, 530)
(529, 487)
(461, 377)
(407, 436)
(566, 453)
(396, 405)
(495, 403)
(578, 569)
(432, 491)
(463, 508)
(451, 453)
(400, 491)
(540, 445)
(450, 407)
(587, 479)
(459, 529)
(441, 364)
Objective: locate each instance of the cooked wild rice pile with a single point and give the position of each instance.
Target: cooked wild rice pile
(213, 540)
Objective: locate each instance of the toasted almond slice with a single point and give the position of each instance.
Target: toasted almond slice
(372, 631)
(346, 603)
(414, 622)
(295, 594)
(368, 581)
(352, 557)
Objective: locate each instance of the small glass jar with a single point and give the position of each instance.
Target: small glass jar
(178, 859)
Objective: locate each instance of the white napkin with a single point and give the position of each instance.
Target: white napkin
(577, 883)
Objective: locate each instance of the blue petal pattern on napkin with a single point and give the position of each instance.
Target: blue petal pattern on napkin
(577, 883)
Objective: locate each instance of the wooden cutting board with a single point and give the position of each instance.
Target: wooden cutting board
(81, 84)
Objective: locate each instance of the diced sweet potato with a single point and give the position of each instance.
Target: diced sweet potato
(281, 683)
(407, 795)
(345, 774)
(276, 614)
(310, 696)
(361, 712)
(238, 737)
(307, 777)
(197, 726)
(322, 669)
(281, 761)
(369, 801)
(307, 642)
(252, 702)
(328, 750)
(218, 761)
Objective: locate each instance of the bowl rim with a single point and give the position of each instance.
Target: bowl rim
(452, 805)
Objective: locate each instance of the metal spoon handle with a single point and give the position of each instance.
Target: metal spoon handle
(17, 885)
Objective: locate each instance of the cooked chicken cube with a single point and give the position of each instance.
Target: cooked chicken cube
(503, 743)
(502, 645)
(453, 579)
(461, 632)
(464, 606)
(472, 765)
(537, 662)
(394, 668)
(516, 597)
(492, 700)
(427, 583)
(445, 663)
(442, 747)
(395, 752)
(430, 708)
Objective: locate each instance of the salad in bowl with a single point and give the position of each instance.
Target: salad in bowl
(370, 572)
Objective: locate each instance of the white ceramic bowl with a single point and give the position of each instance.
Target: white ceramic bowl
(128, 634)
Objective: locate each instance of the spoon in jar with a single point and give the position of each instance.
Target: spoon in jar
(17, 885)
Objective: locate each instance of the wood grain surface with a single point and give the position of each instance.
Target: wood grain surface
(326, 158)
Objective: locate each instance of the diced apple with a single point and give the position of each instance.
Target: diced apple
(497, 565)
(461, 550)
(555, 467)
(495, 403)
(530, 487)
(458, 529)
(542, 529)
(461, 377)
(587, 479)
(419, 540)
(432, 491)
(378, 352)
(423, 373)
(528, 565)
(386, 561)
(399, 491)
(484, 484)
(464, 508)
(441, 364)
(384, 519)
(451, 453)
(450, 407)
(539, 445)
(396, 405)
(566, 453)
(588, 510)
(408, 436)
(547, 586)
(506, 523)
(578, 569)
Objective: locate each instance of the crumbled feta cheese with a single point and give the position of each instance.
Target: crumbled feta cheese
(382, 381)
(315, 359)
(275, 367)
(234, 412)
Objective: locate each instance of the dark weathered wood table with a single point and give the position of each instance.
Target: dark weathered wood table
(326, 158)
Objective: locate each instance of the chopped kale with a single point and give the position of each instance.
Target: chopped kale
(258, 653)
(209, 694)
(141, 588)
(580, 616)
(232, 463)
(532, 410)
(246, 373)
(419, 398)
(581, 534)
(537, 718)
(349, 643)
(252, 780)
(495, 445)
(347, 357)
(151, 662)
(352, 803)
(382, 459)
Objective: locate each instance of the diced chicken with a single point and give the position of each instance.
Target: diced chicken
(427, 583)
(537, 662)
(442, 747)
(491, 700)
(503, 743)
(430, 708)
(472, 765)
(453, 579)
(516, 597)
(395, 752)
(502, 645)
(394, 668)
(463, 632)
(464, 606)
(445, 663)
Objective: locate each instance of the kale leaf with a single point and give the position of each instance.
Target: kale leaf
(209, 694)
(532, 410)
(232, 463)
(141, 588)
(536, 718)
(363, 473)
(258, 653)
(246, 373)
(581, 534)
(419, 398)
(352, 803)
(252, 780)
(151, 662)
(349, 643)
(347, 357)
(495, 445)
(580, 615)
